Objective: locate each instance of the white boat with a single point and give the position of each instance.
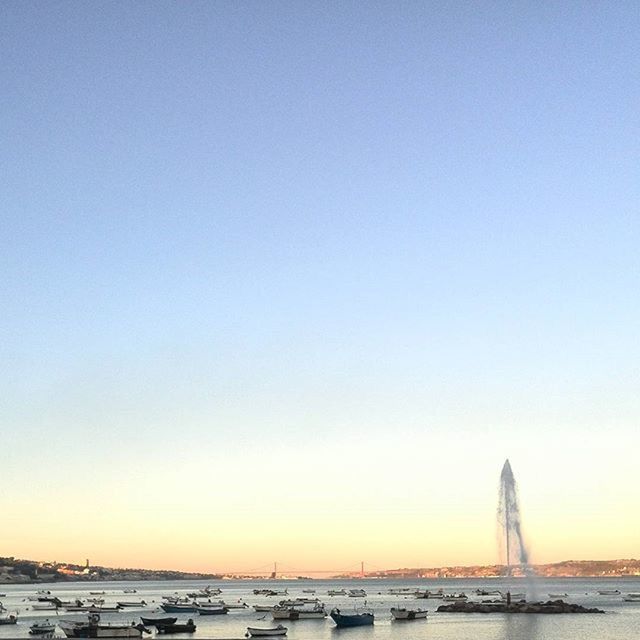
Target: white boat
(263, 608)
(298, 602)
(299, 613)
(44, 606)
(357, 593)
(230, 605)
(256, 632)
(632, 597)
(408, 614)
(93, 629)
(454, 597)
(405, 591)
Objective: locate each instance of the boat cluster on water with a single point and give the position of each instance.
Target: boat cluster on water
(206, 602)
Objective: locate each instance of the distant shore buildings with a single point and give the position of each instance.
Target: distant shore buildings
(16, 571)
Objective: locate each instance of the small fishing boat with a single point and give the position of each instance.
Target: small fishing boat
(93, 629)
(263, 608)
(132, 603)
(408, 614)
(259, 632)
(558, 596)
(10, 619)
(130, 591)
(454, 597)
(429, 595)
(336, 592)
(299, 602)
(44, 606)
(233, 605)
(178, 627)
(632, 597)
(609, 592)
(178, 607)
(154, 622)
(271, 592)
(485, 592)
(299, 613)
(207, 592)
(351, 620)
(308, 591)
(357, 593)
(213, 610)
(103, 609)
(41, 628)
(97, 593)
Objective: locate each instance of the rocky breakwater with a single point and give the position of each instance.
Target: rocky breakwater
(551, 606)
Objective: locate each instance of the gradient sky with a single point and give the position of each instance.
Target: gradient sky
(303, 274)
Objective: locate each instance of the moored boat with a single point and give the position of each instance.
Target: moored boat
(260, 632)
(609, 592)
(154, 622)
(213, 610)
(352, 619)
(454, 597)
(10, 619)
(336, 592)
(299, 613)
(42, 628)
(357, 593)
(132, 603)
(401, 613)
(93, 629)
(44, 606)
(428, 595)
(178, 607)
(177, 627)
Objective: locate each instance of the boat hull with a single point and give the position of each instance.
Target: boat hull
(264, 633)
(352, 620)
(178, 608)
(409, 614)
(152, 622)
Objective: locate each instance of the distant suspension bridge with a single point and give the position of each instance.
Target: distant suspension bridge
(276, 570)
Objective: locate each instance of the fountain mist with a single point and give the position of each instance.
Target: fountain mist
(512, 545)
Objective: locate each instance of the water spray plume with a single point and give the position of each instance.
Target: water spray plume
(512, 545)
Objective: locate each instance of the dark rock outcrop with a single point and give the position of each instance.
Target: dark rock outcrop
(551, 606)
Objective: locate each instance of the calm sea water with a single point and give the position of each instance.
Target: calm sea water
(621, 621)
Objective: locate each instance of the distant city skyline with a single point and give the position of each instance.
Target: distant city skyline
(289, 281)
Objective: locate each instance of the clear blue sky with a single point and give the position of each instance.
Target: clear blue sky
(232, 225)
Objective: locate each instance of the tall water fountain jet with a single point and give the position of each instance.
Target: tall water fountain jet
(512, 544)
